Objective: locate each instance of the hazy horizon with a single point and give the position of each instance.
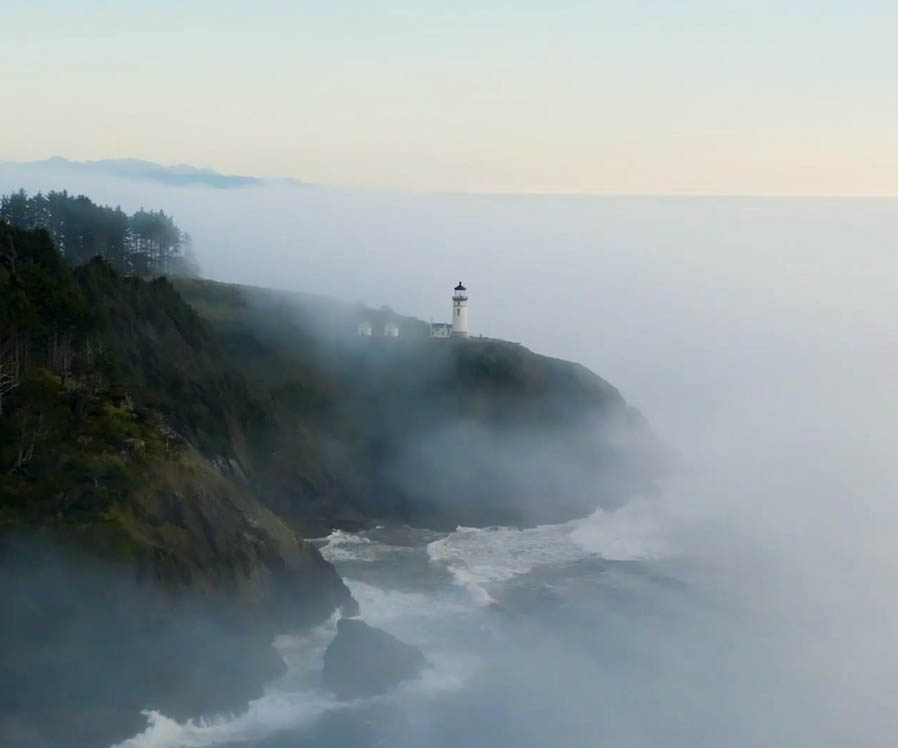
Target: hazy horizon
(736, 97)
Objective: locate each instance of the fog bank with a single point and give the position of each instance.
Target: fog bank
(758, 336)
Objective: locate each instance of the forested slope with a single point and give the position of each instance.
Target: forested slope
(129, 561)
(145, 243)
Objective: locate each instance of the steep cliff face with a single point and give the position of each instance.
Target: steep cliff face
(190, 529)
(433, 433)
(138, 569)
(166, 598)
(167, 601)
(123, 419)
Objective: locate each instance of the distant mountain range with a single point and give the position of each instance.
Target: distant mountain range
(149, 171)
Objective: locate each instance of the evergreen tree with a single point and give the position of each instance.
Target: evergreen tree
(147, 243)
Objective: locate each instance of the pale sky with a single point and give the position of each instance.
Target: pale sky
(633, 96)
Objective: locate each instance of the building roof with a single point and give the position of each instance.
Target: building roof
(460, 287)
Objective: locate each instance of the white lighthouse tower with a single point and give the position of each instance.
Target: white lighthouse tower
(460, 312)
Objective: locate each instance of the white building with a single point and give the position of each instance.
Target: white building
(458, 328)
(440, 330)
(376, 328)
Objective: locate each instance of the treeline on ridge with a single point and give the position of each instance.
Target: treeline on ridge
(94, 367)
(146, 243)
(120, 538)
(103, 376)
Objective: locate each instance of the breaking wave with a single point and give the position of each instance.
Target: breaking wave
(639, 531)
(269, 714)
(478, 557)
(475, 558)
(383, 607)
(349, 546)
(297, 700)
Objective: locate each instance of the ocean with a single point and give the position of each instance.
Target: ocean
(611, 630)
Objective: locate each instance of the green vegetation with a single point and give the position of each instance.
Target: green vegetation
(122, 420)
(100, 376)
(146, 243)
(162, 441)
(129, 560)
(106, 377)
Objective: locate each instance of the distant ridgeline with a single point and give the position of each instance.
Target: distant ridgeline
(146, 243)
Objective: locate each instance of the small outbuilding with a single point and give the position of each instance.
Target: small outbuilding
(441, 329)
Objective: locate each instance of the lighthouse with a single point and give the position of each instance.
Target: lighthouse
(460, 311)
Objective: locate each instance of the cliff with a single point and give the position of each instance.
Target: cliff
(427, 432)
(137, 569)
(162, 443)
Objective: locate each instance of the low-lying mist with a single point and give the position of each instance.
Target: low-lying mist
(757, 335)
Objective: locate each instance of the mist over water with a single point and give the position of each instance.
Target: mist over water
(753, 602)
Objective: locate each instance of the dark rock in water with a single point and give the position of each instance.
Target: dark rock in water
(184, 628)
(364, 661)
(349, 608)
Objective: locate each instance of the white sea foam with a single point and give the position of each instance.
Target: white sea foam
(640, 530)
(479, 557)
(303, 653)
(349, 546)
(387, 608)
(345, 546)
(475, 557)
(272, 713)
(449, 671)
(281, 709)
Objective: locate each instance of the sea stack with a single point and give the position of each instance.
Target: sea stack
(365, 661)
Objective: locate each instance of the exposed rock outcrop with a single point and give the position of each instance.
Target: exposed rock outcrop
(169, 601)
(138, 567)
(365, 661)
